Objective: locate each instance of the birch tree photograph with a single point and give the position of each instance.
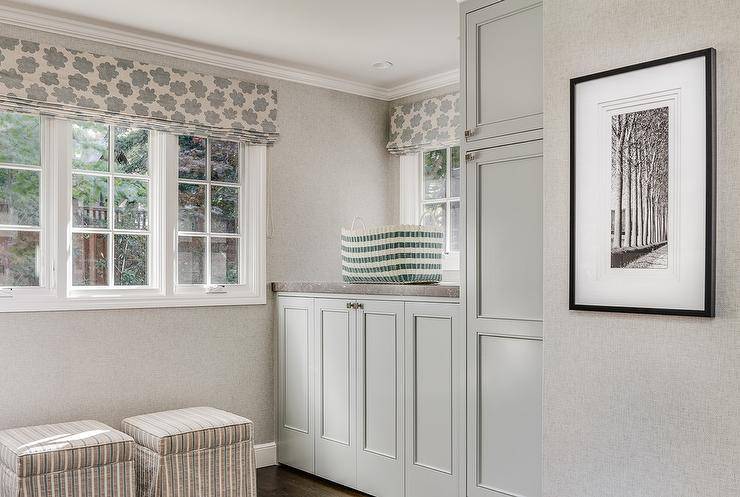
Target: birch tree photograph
(639, 203)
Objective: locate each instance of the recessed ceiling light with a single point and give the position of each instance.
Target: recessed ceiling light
(383, 64)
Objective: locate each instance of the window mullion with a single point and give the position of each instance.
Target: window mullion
(208, 212)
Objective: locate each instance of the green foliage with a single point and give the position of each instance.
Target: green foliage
(20, 141)
(90, 146)
(224, 209)
(224, 161)
(90, 201)
(191, 157)
(18, 252)
(132, 202)
(130, 260)
(89, 259)
(19, 197)
(131, 150)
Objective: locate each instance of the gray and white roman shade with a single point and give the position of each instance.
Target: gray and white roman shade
(433, 122)
(67, 83)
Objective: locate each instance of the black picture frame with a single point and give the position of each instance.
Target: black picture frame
(708, 310)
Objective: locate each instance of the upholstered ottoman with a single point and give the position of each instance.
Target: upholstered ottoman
(82, 458)
(194, 452)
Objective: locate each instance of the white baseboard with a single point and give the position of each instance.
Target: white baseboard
(265, 454)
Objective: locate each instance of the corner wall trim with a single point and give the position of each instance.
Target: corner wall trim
(265, 454)
(68, 26)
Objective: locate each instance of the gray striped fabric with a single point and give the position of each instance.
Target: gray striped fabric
(195, 452)
(78, 459)
(43, 449)
(187, 429)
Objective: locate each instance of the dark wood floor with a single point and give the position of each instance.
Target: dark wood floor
(282, 481)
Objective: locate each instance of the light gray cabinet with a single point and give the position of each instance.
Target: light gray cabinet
(502, 65)
(335, 392)
(434, 400)
(502, 102)
(371, 393)
(295, 377)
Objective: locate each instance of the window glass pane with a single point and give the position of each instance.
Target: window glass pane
(19, 139)
(19, 197)
(192, 157)
(224, 261)
(435, 215)
(224, 209)
(192, 207)
(224, 161)
(90, 146)
(435, 174)
(89, 259)
(454, 226)
(132, 203)
(131, 150)
(89, 201)
(191, 260)
(130, 260)
(455, 172)
(19, 258)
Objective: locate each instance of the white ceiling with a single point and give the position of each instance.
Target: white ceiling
(339, 39)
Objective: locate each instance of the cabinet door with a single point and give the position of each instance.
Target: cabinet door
(380, 398)
(335, 391)
(504, 321)
(434, 400)
(295, 380)
(503, 72)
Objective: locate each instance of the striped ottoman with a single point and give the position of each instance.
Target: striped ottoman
(194, 452)
(82, 458)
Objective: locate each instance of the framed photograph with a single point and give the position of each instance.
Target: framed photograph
(642, 193)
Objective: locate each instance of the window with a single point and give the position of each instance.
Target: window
(430, 195)
(209, 221)
(134, 217)
(440, 194)
(110, 200)
(21, 234)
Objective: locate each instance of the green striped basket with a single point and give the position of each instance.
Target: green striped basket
(392, 254)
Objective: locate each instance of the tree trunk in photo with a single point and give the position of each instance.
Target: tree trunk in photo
(639, 194)
(628, 207)
(617, 238)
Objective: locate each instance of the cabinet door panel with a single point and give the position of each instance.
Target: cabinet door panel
(504, 69)
(509, 416)
(505, 232)
(335, 391)
(433, 400)
(380, 398)
(295, 372)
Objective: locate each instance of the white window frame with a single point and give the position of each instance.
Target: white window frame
(411, 199)
(57, 292)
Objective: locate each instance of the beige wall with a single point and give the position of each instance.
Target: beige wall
(640, 405)
(329, 165)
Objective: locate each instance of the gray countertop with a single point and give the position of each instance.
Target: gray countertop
(439, 290)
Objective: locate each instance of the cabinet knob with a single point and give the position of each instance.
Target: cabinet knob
(349, 305)
(469, 156)
(360, 305)
(469, 132)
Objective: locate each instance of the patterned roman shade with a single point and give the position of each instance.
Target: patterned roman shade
(433, 122)
(68, 83)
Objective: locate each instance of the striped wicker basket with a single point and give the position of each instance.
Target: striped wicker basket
(392, 254)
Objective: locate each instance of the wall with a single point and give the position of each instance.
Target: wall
(329, 165)
(640, 405)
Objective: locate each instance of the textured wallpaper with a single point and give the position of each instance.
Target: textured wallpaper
(109, 365)
(640, 406)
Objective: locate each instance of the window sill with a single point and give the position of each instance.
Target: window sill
(16, 304)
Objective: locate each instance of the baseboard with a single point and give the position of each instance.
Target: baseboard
(265, 454)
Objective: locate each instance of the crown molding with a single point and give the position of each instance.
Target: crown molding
(54, 23)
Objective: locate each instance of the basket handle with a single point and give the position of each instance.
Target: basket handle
(358, 218)
(425, 214)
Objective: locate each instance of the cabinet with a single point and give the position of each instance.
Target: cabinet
(502, 101)
(502, 58)
(370, 393)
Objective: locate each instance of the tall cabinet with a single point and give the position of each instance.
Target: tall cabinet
(501, 86)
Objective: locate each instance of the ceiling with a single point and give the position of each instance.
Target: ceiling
(334, 39)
